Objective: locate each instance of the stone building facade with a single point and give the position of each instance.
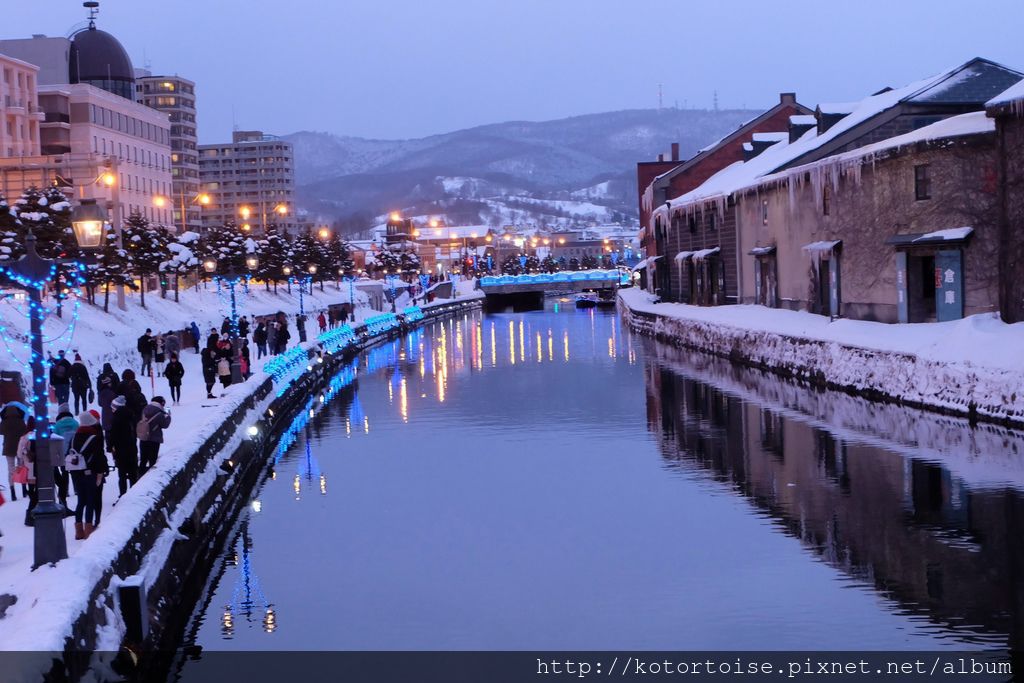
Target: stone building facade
(911, 236)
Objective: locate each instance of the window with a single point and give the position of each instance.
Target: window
(826, 200)
(710, 220)
(922, 182)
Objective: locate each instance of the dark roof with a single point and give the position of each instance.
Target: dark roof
(974, 83)
(98, 56)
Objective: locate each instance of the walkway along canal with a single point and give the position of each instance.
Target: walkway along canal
(546, 480)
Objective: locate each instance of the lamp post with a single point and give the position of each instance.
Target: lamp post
(391, 280)
(231, 275)
(33, 273)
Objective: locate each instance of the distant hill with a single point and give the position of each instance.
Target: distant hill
(575, 169)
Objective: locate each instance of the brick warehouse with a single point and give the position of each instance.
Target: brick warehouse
(788, 225)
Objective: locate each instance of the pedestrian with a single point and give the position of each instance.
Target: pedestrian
(259, 337)
(272, 337)
(196, 335)
(172, 343)
(81, 384)
(245, 357)
(174, 372)
(108, 386)
(145, 347)
(132, 392)
(125, 446)
(65, 425)
(27, 458)
(243, 327)
(224, 363)
(213, 337)
(60, 377)
(159, 355)
(12, 426)
(300, 325)
(155, 419)
(322, 322)
(225, 327)
(208, 357)
(87, 461)
(283, 335)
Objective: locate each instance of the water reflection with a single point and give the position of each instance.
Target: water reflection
(922, 508)
(494, 484)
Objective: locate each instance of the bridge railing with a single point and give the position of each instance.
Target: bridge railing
(607, 277)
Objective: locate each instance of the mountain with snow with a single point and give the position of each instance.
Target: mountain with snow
(576, 169)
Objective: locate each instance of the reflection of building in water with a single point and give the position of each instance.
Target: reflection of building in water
(921, 536)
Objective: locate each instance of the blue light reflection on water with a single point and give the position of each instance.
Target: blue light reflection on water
(545, 480)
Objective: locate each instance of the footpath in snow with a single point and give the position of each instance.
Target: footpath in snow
(973, 366)
(56, 595)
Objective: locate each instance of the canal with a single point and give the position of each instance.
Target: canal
(546, 480)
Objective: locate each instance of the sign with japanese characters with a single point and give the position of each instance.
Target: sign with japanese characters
(949, 286)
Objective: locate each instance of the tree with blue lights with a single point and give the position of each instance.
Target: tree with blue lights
(549, 264)
(227, 244)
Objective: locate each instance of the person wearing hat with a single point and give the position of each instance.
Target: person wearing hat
(124, 444)
(65, 425)
(88, 443)
(156, 418)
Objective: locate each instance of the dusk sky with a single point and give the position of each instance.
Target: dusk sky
(409, 68)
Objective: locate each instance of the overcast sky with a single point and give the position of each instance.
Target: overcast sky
(408, 68)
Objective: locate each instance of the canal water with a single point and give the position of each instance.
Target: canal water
(546, 480)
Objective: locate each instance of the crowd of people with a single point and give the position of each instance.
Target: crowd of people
(124, 428)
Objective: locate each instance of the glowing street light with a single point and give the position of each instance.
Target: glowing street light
(324, 233)
(88, 220)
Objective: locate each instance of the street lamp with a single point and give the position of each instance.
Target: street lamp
(232, 275)
(33, 272)
(88, 220)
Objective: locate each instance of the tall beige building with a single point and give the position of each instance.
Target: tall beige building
(250, 181)
(19, 108)
(94, 139)
(176, 97)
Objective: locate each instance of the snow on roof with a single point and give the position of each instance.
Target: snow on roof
(1015, 93)
(837, 107)
(762, 251)
(767, 165)
(803, 120)
(823, 245)
(748, 147)
(683, 255)
(770, 137)
(947, 234)
(704, 253)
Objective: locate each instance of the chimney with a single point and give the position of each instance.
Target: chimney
(675, 151)
(661, 157)
(787, 98)
(800, 124)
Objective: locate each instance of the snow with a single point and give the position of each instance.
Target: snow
(683, 255)
(947, 365)
(824, 245)
(770, 137)
(803, 120)
(1014, 95)
(702, 254)
(51, 598)
(837, 107)
(947, 234)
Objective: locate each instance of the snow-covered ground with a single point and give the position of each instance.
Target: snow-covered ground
(56, 595)
(952, 366)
